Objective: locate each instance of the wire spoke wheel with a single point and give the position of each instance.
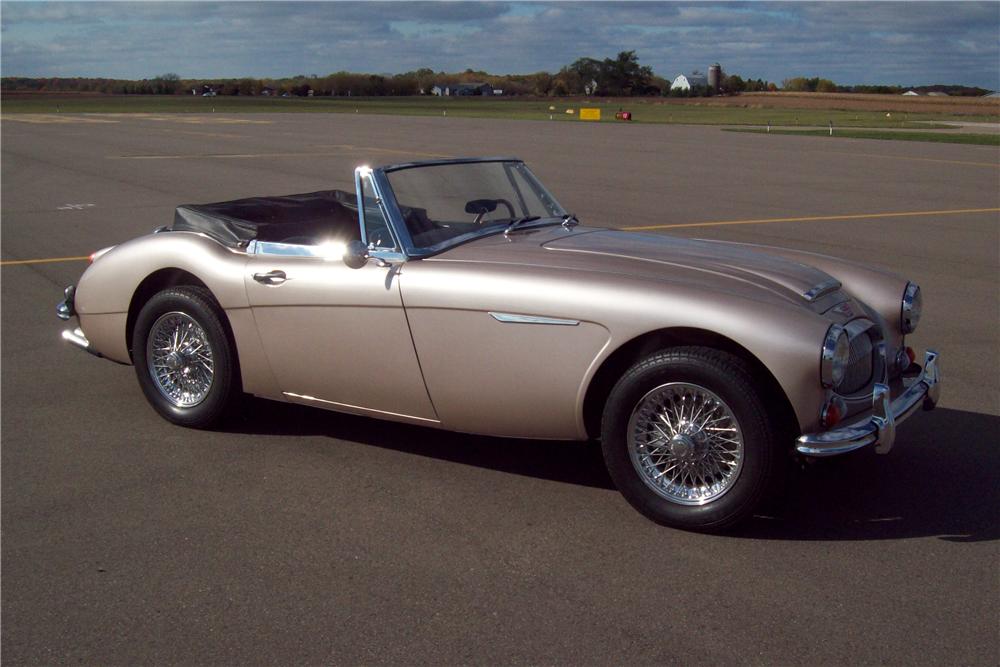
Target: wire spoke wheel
(179, 359)
(685, 443)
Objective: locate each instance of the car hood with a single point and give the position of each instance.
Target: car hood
(713, 265)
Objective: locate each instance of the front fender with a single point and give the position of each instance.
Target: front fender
(107, 287)
(784, 338)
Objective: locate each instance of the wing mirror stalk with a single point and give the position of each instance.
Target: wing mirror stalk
(356, 255)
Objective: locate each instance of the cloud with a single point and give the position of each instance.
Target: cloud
(876, 42)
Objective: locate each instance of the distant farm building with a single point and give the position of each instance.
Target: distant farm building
(715, 76)
(470, 89)
(689, 81)
(935, 93)
(464, 89)
(910, 93)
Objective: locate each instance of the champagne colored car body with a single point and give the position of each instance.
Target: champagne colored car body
(519, 332)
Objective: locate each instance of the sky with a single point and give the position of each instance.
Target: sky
(904, 43)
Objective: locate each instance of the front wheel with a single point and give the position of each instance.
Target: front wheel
(183, 357)
(687, 439)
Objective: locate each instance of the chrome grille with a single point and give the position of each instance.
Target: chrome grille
(859, 369)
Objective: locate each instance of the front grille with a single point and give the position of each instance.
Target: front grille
(859, 369)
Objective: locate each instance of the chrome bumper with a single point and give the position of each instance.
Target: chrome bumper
(76, 337)
(880, 428)
(65, 310)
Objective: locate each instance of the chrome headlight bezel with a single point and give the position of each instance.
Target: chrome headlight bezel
(911, 308)
(836, 353)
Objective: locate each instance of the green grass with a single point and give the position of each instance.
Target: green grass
(949, 138)
(644, 110)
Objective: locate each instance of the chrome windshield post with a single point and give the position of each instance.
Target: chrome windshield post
(359, 174)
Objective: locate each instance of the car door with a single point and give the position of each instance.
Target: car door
(334, 336)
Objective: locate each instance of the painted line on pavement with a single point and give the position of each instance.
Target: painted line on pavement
(47, 260)
(816, 218)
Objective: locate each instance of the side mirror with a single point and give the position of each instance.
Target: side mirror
(356, 254)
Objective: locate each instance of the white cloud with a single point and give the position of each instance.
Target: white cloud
(906, 43)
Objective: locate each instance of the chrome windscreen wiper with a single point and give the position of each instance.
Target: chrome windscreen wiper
(520, 221)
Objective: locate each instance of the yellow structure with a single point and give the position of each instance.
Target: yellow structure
(590, 114)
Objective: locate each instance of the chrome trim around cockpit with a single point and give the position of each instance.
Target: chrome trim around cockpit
(880, 428)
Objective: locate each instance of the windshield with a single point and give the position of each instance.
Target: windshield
(445, 204)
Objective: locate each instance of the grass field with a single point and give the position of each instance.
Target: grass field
(644, 110)
(895, 135)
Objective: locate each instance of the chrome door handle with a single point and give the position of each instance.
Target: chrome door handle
(271, 277)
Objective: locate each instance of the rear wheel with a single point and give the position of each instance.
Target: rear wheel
(183, 357)
(687, 439)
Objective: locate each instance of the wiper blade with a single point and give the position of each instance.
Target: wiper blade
(520, 221)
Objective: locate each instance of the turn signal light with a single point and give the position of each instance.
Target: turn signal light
(911, 354)
(97, 254)
(834, 411)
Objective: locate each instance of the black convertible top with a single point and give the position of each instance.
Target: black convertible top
(304, 218)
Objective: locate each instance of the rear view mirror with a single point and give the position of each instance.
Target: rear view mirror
(481, 206)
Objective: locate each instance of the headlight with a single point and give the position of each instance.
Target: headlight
(913, 303)
(836, 354)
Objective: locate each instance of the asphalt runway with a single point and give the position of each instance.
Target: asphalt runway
(303, 537)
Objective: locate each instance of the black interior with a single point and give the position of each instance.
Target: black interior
(308, 218)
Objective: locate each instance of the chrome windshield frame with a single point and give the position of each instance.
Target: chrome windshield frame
(390, 212)
(394, 215)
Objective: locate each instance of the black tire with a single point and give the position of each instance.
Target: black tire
(186, 304)
(761, 463)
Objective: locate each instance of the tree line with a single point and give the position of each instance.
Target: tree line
(621, 76)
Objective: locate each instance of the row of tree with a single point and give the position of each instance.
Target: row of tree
(619, 76)
(818, 85)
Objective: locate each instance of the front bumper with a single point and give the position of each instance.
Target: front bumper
(880, 428)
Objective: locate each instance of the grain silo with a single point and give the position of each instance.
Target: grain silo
(715, 76)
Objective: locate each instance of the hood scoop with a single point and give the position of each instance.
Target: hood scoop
(733, 262)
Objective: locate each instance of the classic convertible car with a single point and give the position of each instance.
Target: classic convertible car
(459, 294)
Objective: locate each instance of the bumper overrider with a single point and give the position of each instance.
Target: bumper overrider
(65, 310)
(880, 428)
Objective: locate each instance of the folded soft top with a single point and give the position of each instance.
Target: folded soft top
(304, 218)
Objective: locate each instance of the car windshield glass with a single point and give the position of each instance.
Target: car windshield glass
(446, 204)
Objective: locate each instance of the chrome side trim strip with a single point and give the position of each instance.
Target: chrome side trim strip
(512, 318)
(822, 289)
(358, 407)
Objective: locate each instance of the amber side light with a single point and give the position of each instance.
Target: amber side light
(833, 412)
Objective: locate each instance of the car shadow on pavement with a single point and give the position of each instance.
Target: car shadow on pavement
(941, 479)
(578, 463)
